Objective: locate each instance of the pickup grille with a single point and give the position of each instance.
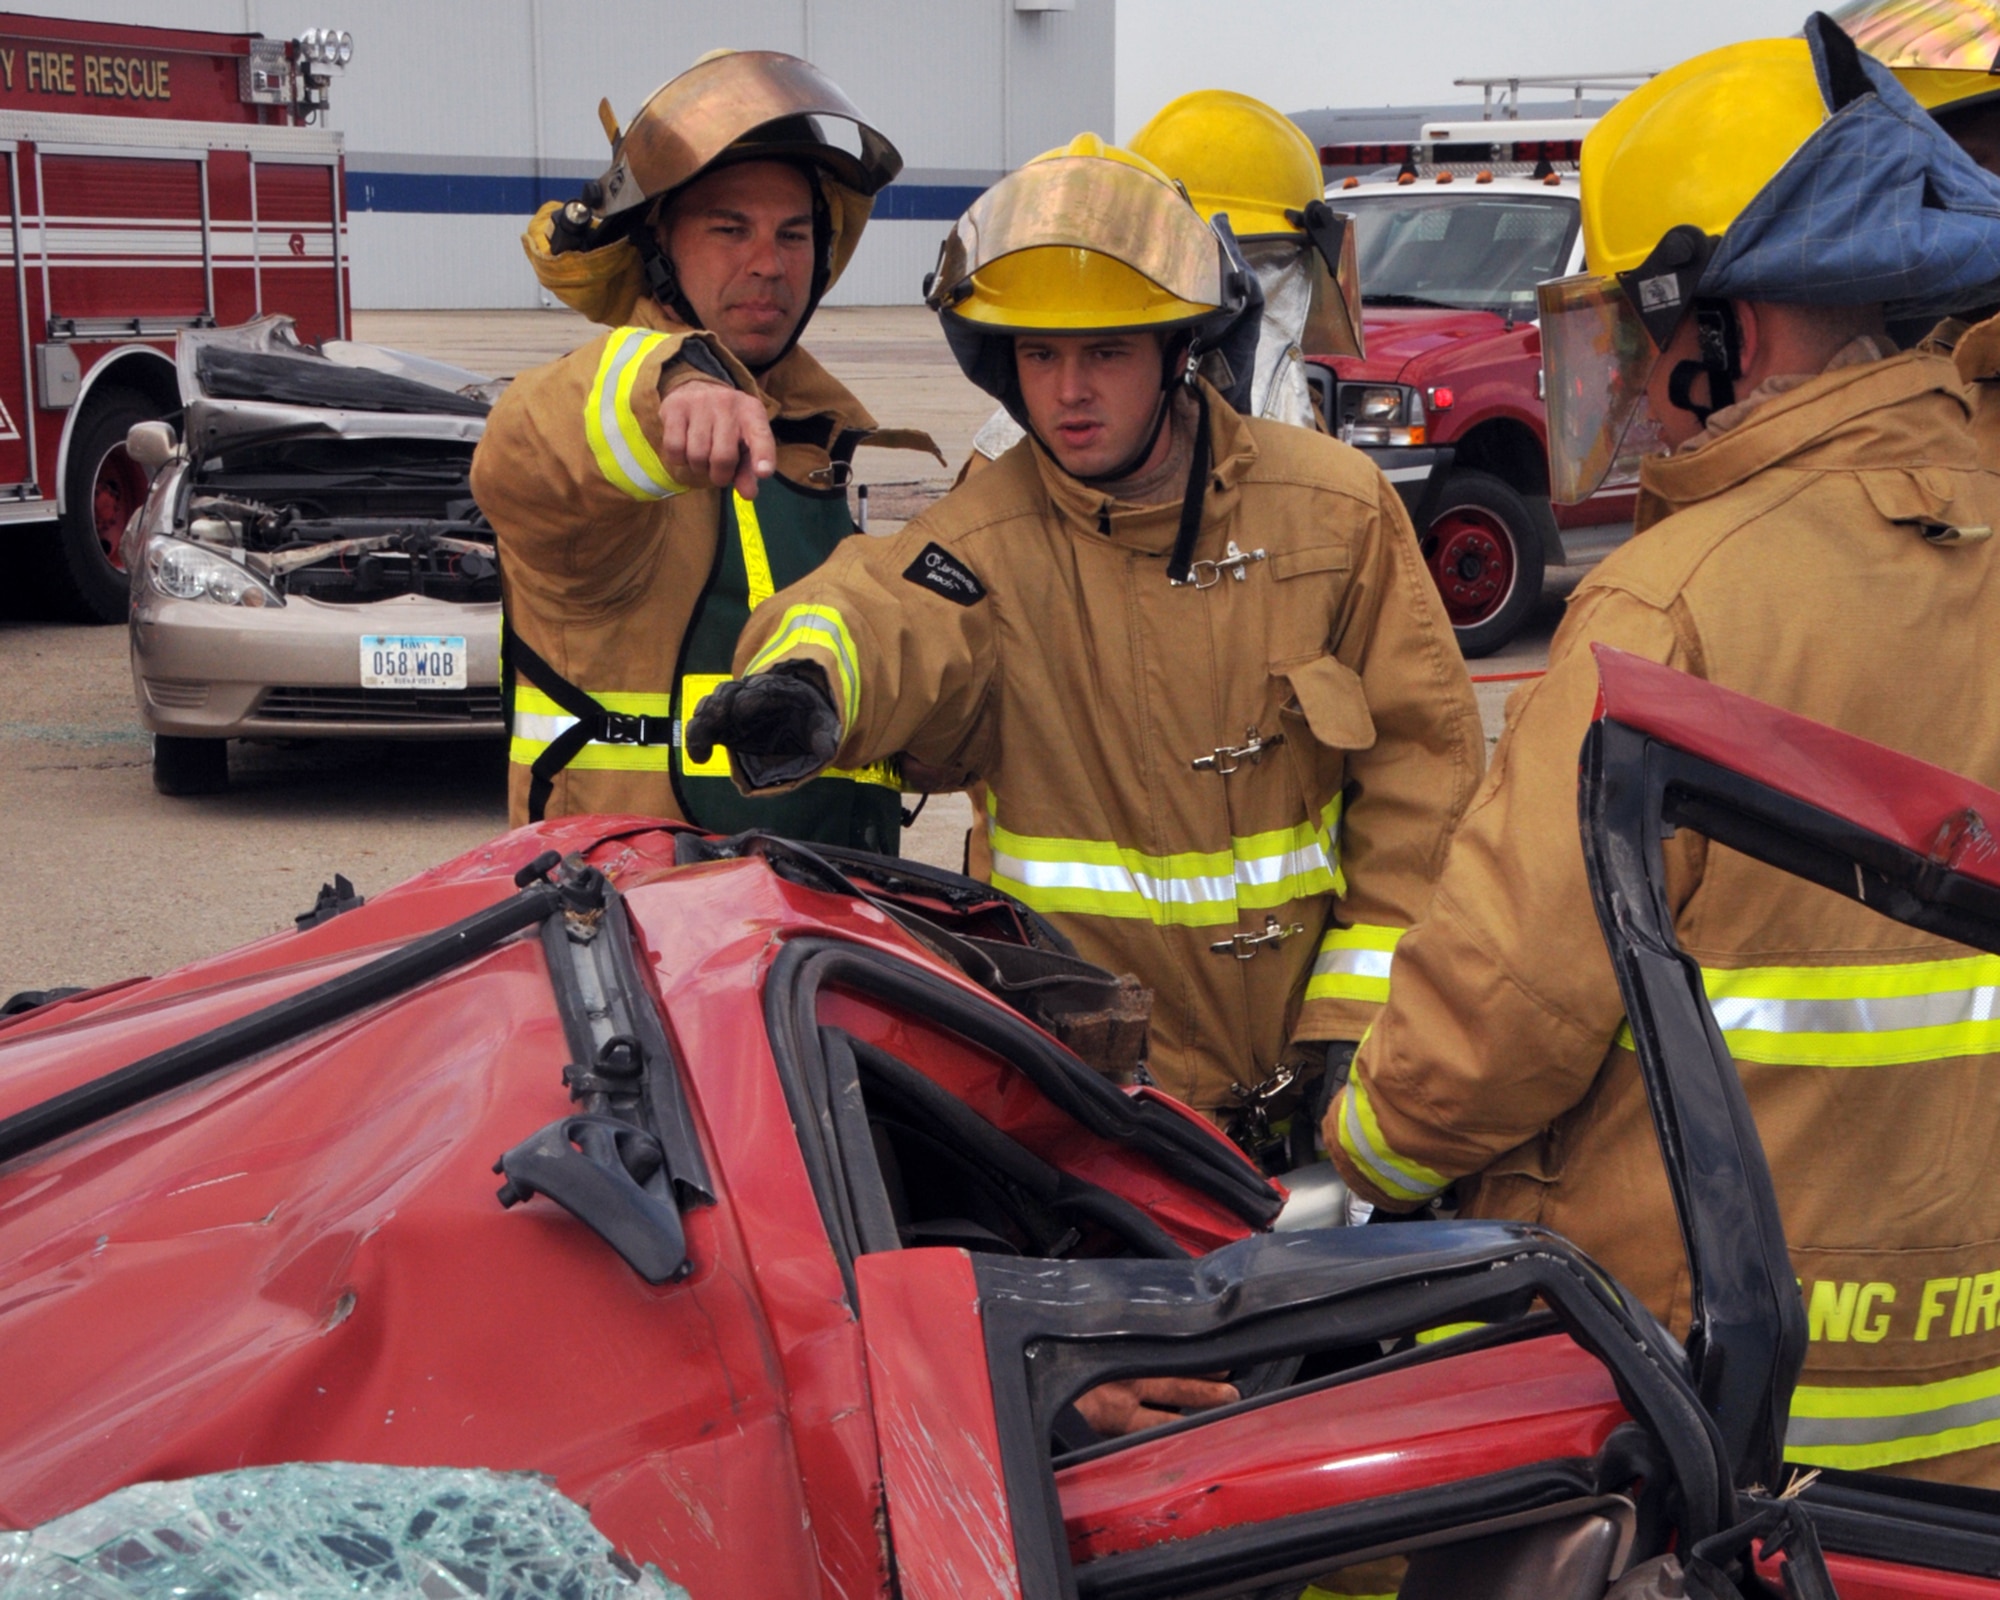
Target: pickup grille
(386, 706)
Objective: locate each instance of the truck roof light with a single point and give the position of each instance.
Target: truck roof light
(1485, 176)
(1350, 182)
(1406, 177)
(1363, 155)
(1444, 177)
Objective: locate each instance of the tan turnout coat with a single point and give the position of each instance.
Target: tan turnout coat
(603, 558)
(1023, 632)
(1786, 558)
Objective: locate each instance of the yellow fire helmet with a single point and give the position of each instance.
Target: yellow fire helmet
(1242, 159)
(1794, 171)
(730, 106)
(1086, 239)
(1945, 52)
(1235, 155)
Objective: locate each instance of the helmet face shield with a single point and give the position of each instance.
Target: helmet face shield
(1053, 213)
(1333, 327)
(1597, 358)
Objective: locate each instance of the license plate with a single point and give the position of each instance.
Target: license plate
(412, 661)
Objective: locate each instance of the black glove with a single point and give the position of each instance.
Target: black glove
(780, 725)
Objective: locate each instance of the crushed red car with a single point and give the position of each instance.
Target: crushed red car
(810, 1229)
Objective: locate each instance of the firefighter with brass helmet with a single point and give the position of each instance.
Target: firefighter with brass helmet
(1193, 656)
(651, 487)
(1815, 529)
(1244, 160)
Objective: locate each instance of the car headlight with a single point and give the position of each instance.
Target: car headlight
(184, 571)
(1382, 414)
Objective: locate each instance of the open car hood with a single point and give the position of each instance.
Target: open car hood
(258, 380)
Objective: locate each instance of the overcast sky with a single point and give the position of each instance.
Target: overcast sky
(1303, 54)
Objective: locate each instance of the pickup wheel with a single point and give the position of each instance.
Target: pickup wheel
(1485, 555)
(190, 766)
(103, 487)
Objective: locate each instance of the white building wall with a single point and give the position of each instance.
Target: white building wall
(459, 114)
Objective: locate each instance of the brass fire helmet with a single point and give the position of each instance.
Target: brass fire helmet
(730, 106)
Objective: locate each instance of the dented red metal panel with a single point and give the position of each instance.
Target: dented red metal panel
(1438, 1423)
(940, 1445)
(1914, 804)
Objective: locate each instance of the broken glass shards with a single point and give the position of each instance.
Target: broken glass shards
(327, 1532)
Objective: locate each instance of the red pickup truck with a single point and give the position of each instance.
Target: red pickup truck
(1448, 398)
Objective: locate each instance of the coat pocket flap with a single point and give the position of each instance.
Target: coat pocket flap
(1334, 702)
(1319, 558)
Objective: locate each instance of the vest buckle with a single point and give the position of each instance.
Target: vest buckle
(624, 727)
(1244, 946)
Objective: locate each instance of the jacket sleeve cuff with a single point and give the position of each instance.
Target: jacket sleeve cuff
(1372, 1166)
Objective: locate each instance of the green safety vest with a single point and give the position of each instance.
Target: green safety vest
(768, 544)
(762, 546)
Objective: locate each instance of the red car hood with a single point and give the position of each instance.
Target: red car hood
(1401, 338)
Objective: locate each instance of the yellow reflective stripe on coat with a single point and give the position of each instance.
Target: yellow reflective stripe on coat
(1190, 889)
(1353, 963)
(1855, 1429)
(825, 627)
(624, 455)
(539, 721)
(1856, 1016)
(756, 563)
(1362, 1138)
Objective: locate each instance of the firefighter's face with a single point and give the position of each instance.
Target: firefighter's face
(1092, 397)
(741, 241)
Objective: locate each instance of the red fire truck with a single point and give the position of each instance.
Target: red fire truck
(155, 179)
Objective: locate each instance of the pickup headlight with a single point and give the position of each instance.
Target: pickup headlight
(184, 571)
(1390, 414)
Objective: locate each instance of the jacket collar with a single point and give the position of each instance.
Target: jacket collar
(1150, 530)
(1904, 412)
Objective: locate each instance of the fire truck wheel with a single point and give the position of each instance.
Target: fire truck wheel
(1485, 555)
(105, 486)
(190, 766)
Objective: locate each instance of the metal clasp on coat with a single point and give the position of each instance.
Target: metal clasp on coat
(834, 475)
(1223, 760)
(1244, 946)
(1207, 574)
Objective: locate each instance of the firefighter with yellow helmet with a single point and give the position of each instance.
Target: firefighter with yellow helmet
(1241, 159)
(1193, 656)
(1815, 529)
(651, 487)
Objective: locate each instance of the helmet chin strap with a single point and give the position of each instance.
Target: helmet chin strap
(1720, 340)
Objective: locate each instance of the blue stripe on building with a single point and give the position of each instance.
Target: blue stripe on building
(510, 195)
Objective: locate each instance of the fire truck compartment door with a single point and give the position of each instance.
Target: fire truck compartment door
(125, 239)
